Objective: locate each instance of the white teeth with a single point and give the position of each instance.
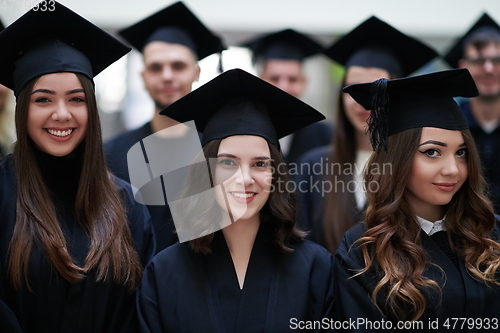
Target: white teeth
(243, 195)
(60, 133)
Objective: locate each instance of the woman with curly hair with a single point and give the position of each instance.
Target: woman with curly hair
(257, 273)
(371, 51)
(428, 250)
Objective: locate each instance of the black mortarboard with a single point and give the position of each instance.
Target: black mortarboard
(283, 45)
(456, 52)
(44, 42)
(419, 101)
(375, 43)
(239, 103)
(175, 24)
(1, 26)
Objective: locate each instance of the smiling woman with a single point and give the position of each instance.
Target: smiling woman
(74, 240)
(58, 113)
(429, 248)
(258, 272)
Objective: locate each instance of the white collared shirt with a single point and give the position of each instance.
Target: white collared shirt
(430, 228)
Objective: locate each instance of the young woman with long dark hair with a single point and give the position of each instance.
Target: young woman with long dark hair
(428, 251)
(73, 240)
(257, 273)
(371, 51)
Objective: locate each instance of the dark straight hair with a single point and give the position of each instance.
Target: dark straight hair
(99, 209)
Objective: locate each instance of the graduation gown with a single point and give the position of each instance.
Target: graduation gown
(307, 138)
(116, 151)
(462, 295)
(184, 291)
(312, 190)
(488, 146)
(55, 305)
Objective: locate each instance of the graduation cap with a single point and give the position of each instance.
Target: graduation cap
(44, 42)
(375, 43)
(419, 101)
(239, 103)
(175, 24)
(1, 26)
(283, 45)
(456, 52)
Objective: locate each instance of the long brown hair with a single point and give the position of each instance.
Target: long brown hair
(392, 242)
(98, 209)
(278, 213)
(340, 209)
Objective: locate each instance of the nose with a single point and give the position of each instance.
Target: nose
(244, 176)
(62, 113)
(283, 84)
(166, 73)
(488, 65)
(450, 166)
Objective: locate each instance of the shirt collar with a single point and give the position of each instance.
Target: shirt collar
(431, 228)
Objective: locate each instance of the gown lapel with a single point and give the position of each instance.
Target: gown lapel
(250, 308)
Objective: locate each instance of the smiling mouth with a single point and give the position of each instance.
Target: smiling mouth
(243, 195)
(59, 133)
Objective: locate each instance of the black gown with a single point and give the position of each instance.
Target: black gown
(307, 138)
(462, 295)
(55, 305)
(488, 146)
(313, 190)
(116, 151)
(183, 291)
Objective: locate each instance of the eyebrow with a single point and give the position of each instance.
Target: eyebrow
(47, 91)
(439, 143)
(259, 158)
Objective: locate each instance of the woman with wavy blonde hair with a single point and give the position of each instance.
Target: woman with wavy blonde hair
(428, 250)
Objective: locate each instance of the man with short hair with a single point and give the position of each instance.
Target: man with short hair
(479, 51)
(171, 41)
(279, 58)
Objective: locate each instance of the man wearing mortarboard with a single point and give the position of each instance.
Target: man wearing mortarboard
(279, 58)
(172, 42)
(478, 50)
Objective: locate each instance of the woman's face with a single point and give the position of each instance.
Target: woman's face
(356, 114)
(244, 170)
(57, 114)
(439, 170)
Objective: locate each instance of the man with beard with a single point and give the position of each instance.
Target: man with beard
(171, 41)
(479, 51)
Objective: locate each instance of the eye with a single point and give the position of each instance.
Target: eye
(462, 152)
(42, 100)
(432, 153)
(262, 164)
(179, 66)
(227, 163)
(77, 100)
(154, 68)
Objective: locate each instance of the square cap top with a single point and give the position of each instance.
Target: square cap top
(174, 24)
(239, 103)
(54, 41)
(375, 43)
(456, 52)
(283, 45)
(418, 101)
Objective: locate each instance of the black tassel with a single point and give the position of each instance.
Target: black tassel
(379, 115)
(220, 68)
